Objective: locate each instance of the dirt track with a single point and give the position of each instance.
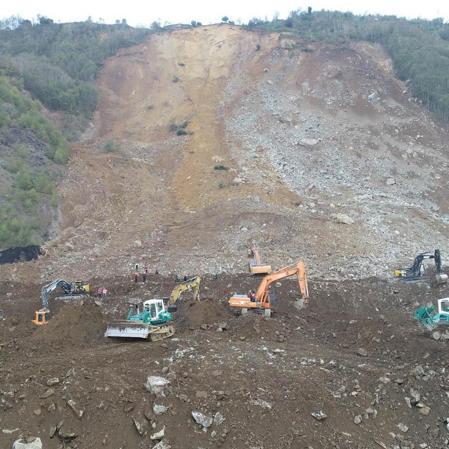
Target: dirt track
(264, 377)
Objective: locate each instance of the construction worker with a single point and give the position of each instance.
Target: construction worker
(145, 275)
(252, 295)
(136, 277)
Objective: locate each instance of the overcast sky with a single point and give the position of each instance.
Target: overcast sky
(141, 12)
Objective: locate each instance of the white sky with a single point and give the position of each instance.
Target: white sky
(144, 12)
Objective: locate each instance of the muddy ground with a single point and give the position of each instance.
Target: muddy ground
(355, 353)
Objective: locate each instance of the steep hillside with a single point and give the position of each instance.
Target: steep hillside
(209, 138)
(47, 97)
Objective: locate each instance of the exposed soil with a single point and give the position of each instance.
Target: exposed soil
(355, 350)
(318, 154)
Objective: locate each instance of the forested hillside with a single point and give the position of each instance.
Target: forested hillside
(47, 96)
(419, 48)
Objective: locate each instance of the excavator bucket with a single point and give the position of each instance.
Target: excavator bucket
(260, 269)
(127, 329)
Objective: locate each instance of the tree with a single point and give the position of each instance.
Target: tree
(225, 19)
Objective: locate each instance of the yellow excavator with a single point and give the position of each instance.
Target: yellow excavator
(190, 284)
(255, 264)
(261, 298)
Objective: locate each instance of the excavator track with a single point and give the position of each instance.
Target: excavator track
(161, 332)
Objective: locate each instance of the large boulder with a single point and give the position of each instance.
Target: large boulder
(28, 443)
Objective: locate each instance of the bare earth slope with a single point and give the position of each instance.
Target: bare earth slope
(282, 138)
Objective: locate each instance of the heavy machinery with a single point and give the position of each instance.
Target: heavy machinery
(71, 290)
(149, 320)
(191, 284)
(416, 271)
(261, 298)
(255, 264)
(430, 317)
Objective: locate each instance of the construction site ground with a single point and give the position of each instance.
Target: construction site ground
(354, 353)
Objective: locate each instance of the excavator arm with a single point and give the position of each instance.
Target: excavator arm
(190, 284)
(262, 294)
(262, 299)
(47, 289)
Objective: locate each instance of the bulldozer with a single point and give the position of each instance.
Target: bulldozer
(430, 317)
(72, 290)
(260, 300)
(255, 264)
(152, 319)
(148, 320)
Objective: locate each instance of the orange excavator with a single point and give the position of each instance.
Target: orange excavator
(261, 298)
(255, 265)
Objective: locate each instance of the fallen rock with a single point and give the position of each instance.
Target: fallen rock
(162, 445)
(53, 381)
(78, 412)
(203, 420)
(436, 335)
(362, 352)
(358, 419)
(158, 435)
(156, 385)
(28, 443)
(262, 403)
(391, 181)
(218, 419)
(402, 427)
(319, 415)
(47, 394)
(342, 219)
(424, 410)
(416, 396)
(308, 142)
(159, 409)
(139, 427)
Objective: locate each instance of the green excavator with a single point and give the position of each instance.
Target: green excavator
(152, 319)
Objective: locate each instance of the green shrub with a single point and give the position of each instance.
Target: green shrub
(221, 167)
(109, 146)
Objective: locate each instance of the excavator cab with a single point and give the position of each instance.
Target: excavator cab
(40, 317)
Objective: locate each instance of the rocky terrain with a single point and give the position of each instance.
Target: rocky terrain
(206, 140)
(351, 370)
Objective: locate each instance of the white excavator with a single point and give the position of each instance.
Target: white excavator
(71, 290)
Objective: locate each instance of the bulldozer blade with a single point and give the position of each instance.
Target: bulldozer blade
(127, 329)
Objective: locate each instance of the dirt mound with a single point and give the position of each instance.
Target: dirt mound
(77, 325)
(192, 314)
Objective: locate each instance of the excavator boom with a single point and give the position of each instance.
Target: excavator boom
(190, 284)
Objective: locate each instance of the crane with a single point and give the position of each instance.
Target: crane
(261, 299)
(255, 265)
(416, 271)
(69, 288)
